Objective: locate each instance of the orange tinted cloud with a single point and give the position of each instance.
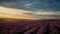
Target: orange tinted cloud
(24, 14)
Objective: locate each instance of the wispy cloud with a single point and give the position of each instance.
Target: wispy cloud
(28, 4)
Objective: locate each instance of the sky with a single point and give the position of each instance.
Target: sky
(33, 8)
(48, 5)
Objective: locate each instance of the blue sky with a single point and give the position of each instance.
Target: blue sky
(46, 5)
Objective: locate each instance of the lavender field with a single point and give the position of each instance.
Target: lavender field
(30, 27)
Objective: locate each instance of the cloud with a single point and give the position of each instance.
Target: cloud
(51, 5)
(44, 9)
(28, 4)
(25, 14)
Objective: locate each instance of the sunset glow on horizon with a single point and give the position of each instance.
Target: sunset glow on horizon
(23, 14)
